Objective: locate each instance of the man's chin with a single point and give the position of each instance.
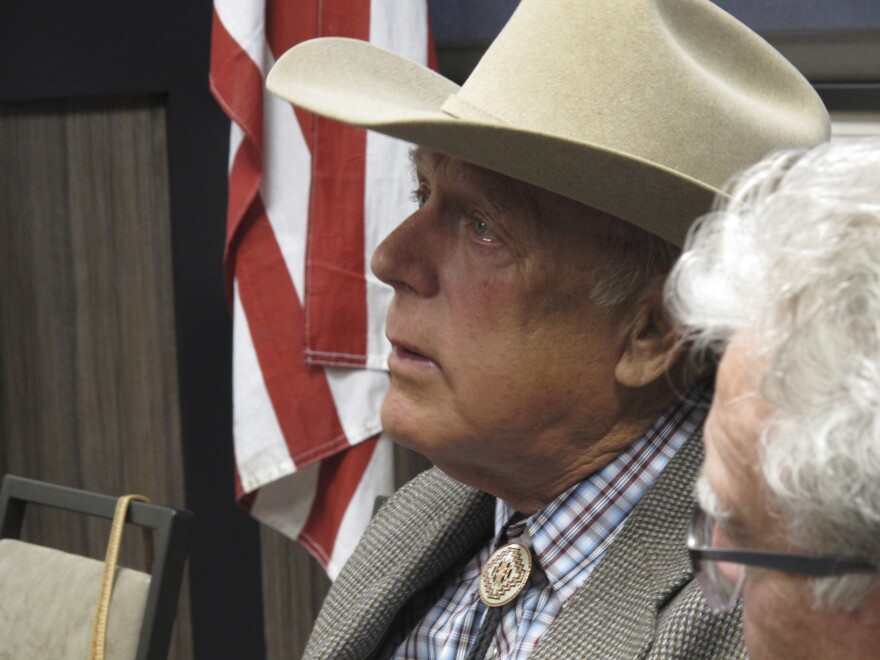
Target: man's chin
(402, 419)
(408, 433)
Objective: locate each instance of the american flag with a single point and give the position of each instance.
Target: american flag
(309, 200)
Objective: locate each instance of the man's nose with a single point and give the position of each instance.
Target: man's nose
(405, 259)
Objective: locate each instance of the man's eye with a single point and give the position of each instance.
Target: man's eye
(482, 232)
(420, 197)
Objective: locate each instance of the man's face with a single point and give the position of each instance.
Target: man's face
(778, 616)
(500, 362)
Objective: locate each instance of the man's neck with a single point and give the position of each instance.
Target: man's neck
(574, 462)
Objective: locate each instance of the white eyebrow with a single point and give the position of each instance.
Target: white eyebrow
(419, 155)
(495, 190)
(709, 501)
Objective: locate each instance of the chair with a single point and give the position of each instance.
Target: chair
(170, 529)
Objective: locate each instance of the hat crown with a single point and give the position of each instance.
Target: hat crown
(679, 83)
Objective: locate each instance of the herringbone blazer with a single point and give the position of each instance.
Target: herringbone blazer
(640, 602)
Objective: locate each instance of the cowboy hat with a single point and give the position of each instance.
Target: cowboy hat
(640, 108)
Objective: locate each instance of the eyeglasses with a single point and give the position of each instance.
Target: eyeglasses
(721, 571)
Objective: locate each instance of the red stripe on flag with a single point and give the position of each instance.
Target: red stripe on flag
(299, 393)
(338, 480)
(287, 24)
(244, 188)
(335, 263)
(236, 82)
(344, 18)
(335, 260)
(245, 500)
(431, 59)
(237, 86)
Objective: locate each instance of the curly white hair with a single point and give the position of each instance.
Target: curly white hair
(792, 260)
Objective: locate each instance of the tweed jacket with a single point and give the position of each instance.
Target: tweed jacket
(641, 601)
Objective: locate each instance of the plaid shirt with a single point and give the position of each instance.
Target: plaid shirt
(568, 538)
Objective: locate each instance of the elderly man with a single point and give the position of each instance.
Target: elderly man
(532, 361)
(788, 279)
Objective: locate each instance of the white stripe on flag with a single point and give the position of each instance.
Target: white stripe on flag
(264, 457)
(285, 504)
(245, 23)
(236, 137)
(286, 179)
(357, 394)
(377, 480)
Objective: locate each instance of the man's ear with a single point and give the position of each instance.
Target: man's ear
(651, 345)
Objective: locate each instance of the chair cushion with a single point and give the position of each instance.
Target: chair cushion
(48, 600)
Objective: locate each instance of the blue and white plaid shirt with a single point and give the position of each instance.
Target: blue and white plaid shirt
(568, 538)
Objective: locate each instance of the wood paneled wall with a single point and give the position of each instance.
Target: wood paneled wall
(88, 376)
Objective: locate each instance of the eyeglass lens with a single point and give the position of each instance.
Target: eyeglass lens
(721, 581)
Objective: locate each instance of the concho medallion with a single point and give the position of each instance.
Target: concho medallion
(505, 574)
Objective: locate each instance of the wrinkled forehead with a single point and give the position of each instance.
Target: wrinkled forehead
(507, 194)
(502, 192)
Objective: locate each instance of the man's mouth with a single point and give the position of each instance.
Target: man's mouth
(407, 353)
(410, 354)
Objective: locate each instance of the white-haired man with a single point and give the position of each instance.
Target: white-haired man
(787, 278)
(532, 361)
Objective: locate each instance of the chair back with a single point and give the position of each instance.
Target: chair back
(68, 584)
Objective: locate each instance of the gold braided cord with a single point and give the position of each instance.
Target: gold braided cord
(99, 625)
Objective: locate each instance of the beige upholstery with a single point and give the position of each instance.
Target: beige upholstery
(48, 599)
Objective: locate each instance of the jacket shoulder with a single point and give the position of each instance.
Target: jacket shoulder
(425, 527)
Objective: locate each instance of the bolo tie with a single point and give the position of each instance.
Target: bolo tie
(503, 577)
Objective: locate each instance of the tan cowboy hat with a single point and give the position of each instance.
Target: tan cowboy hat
(640, 108)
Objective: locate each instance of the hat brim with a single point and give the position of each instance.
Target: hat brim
(357, 83)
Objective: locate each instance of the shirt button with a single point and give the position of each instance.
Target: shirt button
(492, 652)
